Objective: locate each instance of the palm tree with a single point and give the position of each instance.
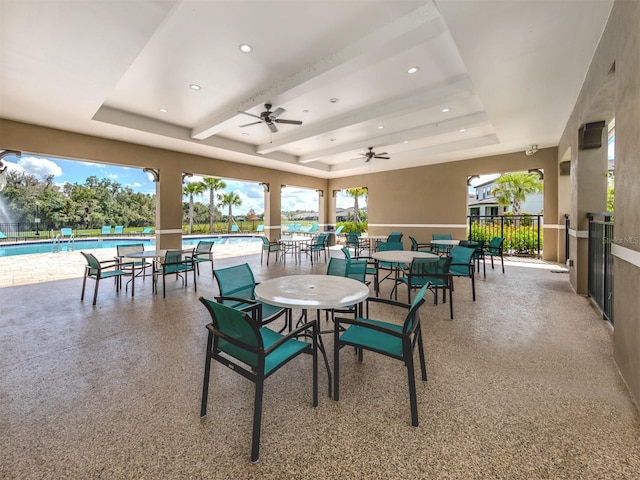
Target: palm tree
(356, 193)
(213, 184)
(514, 187)
(230, 200)
(191, 189)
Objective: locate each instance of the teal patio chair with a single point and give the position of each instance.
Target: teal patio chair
(106, 230)
(2, 235)
(389, 339)
(421, 247)
(442, 249)
(478, 246)
(131, 265)
(269, 246)
(147, 231)
(97, 270)
(178, 262)
(118, 230)
(237, 285)
(260, 228)
(66, 232)
(462, 265)
(434, 271)
(242, 344)
(317, 245)
(494, 249)
(354, 240)
(370, 268)
(203, 253)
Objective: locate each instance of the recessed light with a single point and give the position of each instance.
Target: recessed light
(380, 127)
(413, 70)
(334, 100)
(164, 110)
(332, 139)
(406, 141)
(462, 130)
(195, 86)
(246, 48)
(245, 134)
(445, 110)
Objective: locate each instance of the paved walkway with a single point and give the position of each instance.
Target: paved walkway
(47, 267)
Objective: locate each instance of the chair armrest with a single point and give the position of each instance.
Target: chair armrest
(293, 334)
(371, 326)
(388, 301)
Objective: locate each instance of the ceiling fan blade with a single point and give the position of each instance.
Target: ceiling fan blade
(272, 127)
(383, 158)
(251, 114)
(290, 122)
(382, 153)
(249, 124)
(277, 112)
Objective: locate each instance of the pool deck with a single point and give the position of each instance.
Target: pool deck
(47, 267)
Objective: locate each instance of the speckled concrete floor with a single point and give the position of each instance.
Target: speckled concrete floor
(522, 385)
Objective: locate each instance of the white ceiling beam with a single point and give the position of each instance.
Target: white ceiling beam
(431, 98)
(417, 27)
(418, 133)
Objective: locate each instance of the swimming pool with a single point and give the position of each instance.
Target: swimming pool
(47, 247)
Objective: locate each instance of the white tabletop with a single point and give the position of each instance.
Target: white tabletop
(375, 237)
(311, 291)
(294, 239)
(445, 242)
(401, 256)
(147, 254)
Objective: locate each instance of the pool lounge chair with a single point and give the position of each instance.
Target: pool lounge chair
(106, 230)
(119, 230)
(2, 235)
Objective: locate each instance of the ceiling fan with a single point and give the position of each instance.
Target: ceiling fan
(270, 118)
(371, 154)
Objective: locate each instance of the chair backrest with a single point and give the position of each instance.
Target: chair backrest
(123, 250)
(495, 245)
(431, 267)
(461, 258)
(204, 246)
(2, 235)
(394, 237)
(260, 228)
(66, 231)
(147, 230)
(173, 256)
(346, 252)
(387, 246)
(93, 262)
(265, 242)
(321, 239)
(357, 269)
(119, 229)
(441, 236)
(414, 244)
(238, 335)
(338, 230)
(413, 319)
(106, 230)
(314, 228)
(337, 266)
(234, 228)
(236, 281)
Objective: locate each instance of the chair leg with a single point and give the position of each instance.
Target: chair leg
(205, 381)
(423, 367)
(413, 401)
(95, 292)
(336, 363)
(262, 255)
(84, 282)
(257, 421)
(502, 261)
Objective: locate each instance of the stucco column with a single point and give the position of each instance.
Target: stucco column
(589, 187)
(169, 208)
(272, 210)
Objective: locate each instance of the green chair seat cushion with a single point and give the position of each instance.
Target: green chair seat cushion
(284, 352)
(373, 339)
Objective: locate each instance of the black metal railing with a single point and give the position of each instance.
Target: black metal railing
(25, 230)
(600, 266)
(522, 233)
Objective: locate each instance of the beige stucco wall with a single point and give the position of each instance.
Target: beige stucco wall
(615, 92)
(424, 200)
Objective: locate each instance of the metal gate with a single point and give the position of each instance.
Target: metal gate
(600, 268)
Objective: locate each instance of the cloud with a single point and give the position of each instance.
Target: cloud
(40, 167)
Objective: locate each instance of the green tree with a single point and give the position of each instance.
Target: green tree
(610, 191)
(230, 200)
(213, 184)
(191, 189)
(356, 193)
(514, 187)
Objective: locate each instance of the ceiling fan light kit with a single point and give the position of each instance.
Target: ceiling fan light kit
(371, 154)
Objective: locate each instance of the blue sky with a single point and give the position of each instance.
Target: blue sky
(251, 194)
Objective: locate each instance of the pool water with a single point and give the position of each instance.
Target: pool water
(47, 247)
